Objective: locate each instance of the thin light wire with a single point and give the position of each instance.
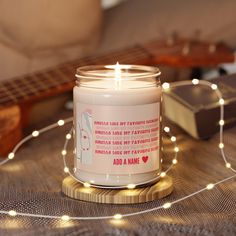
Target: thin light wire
(219, 95)
(115, 187)
(138, 212)
(123, 215)
(30, 136)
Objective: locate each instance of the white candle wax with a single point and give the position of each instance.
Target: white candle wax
(117, 131)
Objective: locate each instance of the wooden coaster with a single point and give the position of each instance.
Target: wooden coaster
(76, 190)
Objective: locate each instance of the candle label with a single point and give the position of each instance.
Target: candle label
(117, 139)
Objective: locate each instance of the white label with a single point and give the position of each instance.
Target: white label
(117, 139)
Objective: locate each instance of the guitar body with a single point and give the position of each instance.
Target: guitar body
(10, 128)
(19, 94)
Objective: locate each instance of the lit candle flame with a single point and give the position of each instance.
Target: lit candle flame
(117, 75)
(117, 71)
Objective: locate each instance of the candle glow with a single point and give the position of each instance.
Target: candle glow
(116, 216)
(117, 96)
(117, 76)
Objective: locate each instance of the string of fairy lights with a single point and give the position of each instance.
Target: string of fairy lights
(131, 185)
(118, 216)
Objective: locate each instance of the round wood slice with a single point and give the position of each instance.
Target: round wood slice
(76, 190)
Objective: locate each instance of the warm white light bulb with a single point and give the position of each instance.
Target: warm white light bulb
(228, 165)
(222, 101)
(195, 81)
(131, 186)
(61, 122)
(87, 185)
(174, 161)
(117, 216)
(68, 136)
(210, 186)
(167, 205)
(11, 155)
(35, 133)
(65, 217)
(173, 138)
(221, 122)
(176, 149)
(163, 174)
(221, 145)
(63, 152)
(165, 86)
(167, 129)
(66, 169)
(214, 86)
(12, 213)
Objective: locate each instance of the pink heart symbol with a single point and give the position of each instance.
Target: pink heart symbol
(145, 159)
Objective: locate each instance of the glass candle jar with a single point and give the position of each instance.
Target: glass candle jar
(117, 114)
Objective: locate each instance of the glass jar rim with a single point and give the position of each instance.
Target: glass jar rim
(131, 72)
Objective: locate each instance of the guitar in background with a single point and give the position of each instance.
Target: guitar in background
(18, 95)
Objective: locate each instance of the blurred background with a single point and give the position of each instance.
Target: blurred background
(35, 35)
(43, 42)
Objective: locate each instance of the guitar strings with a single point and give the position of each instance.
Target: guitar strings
(125, 56)
(12, 93)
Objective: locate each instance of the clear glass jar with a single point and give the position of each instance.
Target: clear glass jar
(117, 113)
